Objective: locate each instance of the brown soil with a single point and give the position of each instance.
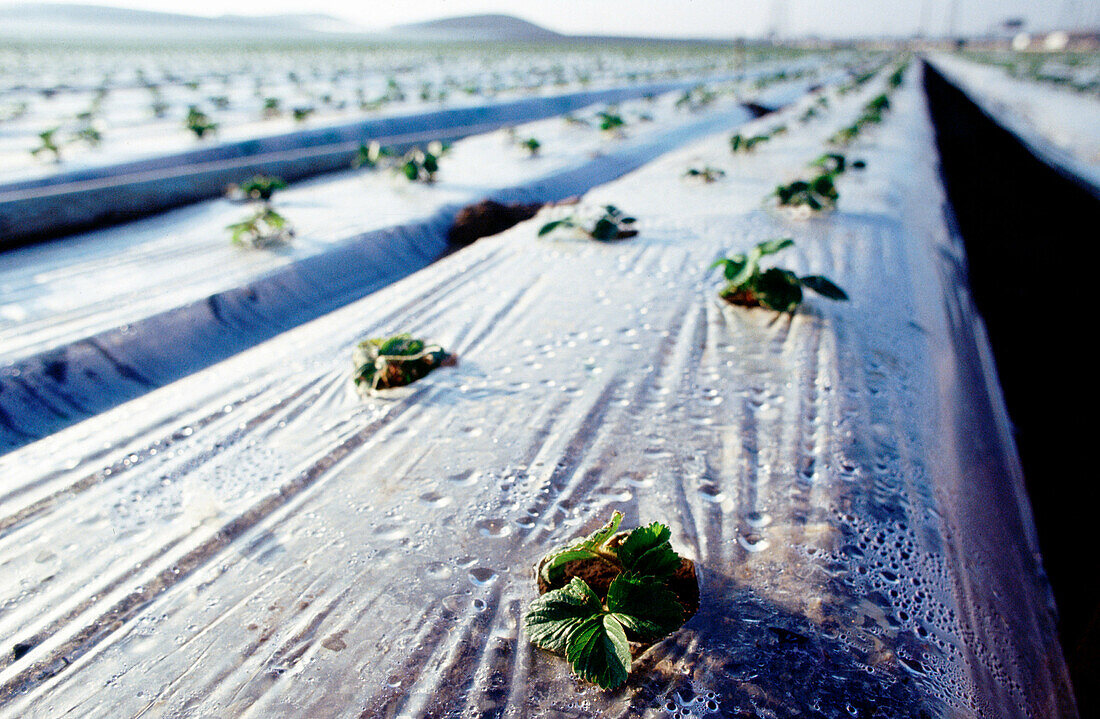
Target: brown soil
(744, 298)
(398, 373)
(487, 218)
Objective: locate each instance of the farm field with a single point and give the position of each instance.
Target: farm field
(739, 308)
(1057, 121)
(102, 107)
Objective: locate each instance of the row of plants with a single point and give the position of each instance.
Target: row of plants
(604, 598)
(818, 191)
(265, 227)
(746, 143)
(607, 597)
(216, 88)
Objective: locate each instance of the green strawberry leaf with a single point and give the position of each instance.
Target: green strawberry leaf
(605, 229)
(555, 616)
(779, 290)
(770, 247)
(599, 651)
(551, 226)
(647, 551)
(648, 609)
(824, 287)
(592, 546)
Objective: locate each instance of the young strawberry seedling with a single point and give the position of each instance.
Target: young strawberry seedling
(696, 98)
(265, 228)
(419, 165)
(387, 362)
(816, 194)
(199, 123)
(90, 134)
(611, 122)
(532, 145)
(370, 155)
(834, 163)
(774, 288)
(610, 596)
(742, 143)
(831, 163)
(262, 187)
(159, 107)
(611, 225)
(873, 110)
(48, 145)
(706, 173)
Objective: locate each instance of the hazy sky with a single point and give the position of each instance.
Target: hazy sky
(678, 18)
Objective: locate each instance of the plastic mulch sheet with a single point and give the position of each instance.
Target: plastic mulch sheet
(103, 317)
(256, 540)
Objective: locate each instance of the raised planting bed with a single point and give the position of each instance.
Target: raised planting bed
(259, 539)
(1060, 126)
(76, 200)
(170, 295)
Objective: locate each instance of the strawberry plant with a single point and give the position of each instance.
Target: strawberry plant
(370, 155)
(387, 362)
(419, 165)
(612, 224)
(876, 106)
(834, 163)
(532, 145)
(609, 596)
(199, 123)
(897, 76)
(301, 114)
(696, 98)
(48, 144)
(774, 288)
(743, 143)
(262, 187)
(705, 173)
(264, 228)
(159, 107)
(90, 134)
(816, 194)
(611, 121)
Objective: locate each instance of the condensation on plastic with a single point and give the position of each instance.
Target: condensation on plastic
(185, 298)
(257, 541)
(147, 141)
(1060, 126)
(84, 198)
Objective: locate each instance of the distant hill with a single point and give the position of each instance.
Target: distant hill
(476, 27)
(93, 22)
(71, 22)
